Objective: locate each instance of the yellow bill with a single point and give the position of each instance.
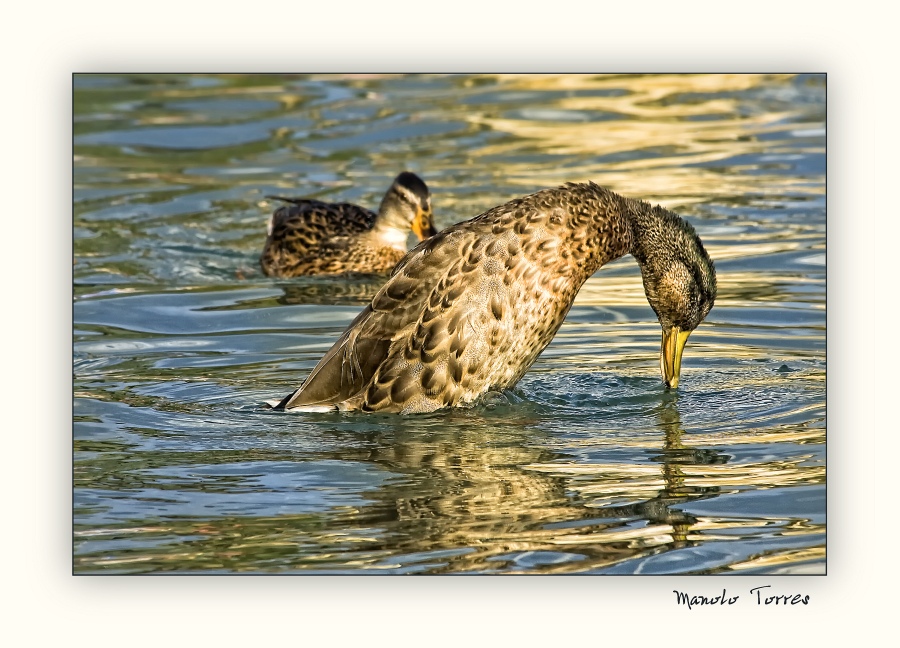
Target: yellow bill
(423, 225)
(673, 342)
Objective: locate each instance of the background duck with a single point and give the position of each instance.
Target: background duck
(470, 310)
(310, 237)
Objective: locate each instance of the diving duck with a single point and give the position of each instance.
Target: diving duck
(310, 237)
(468, 311)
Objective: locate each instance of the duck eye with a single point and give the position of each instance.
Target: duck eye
(405, 197)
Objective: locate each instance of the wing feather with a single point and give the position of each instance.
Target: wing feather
(350, 365)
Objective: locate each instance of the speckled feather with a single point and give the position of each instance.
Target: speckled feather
(311, 237)
(470, 310)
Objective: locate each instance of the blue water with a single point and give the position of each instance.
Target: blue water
(588, 466)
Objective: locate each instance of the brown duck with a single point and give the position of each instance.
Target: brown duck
(310, 237)
(468, 311)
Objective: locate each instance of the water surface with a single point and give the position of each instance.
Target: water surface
(589, 466)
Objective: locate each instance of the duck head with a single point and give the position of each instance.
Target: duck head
(407, 205)
(679, 281)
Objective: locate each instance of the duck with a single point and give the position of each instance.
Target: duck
(467, 312)
(310, 237)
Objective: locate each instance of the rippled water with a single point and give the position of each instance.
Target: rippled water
(589, 466)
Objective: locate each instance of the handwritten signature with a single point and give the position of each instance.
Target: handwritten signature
(761, 598)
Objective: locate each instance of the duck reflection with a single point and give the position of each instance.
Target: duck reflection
(673, 457)
(346, 290)
(484, 484)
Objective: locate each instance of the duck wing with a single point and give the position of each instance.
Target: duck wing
(417, 284)
(315, 220)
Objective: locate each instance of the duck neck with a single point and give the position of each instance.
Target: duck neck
(652, 231)
(623, 226)
(391, 225)
(603, 228)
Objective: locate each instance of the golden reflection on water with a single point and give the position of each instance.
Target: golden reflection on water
(480, 493)
(498, 500)
(783, 559)
(645, 117)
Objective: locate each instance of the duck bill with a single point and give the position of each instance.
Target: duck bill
(673, 341)
(423, 225)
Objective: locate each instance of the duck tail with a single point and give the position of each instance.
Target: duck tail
(292, 201)
(279, 403)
